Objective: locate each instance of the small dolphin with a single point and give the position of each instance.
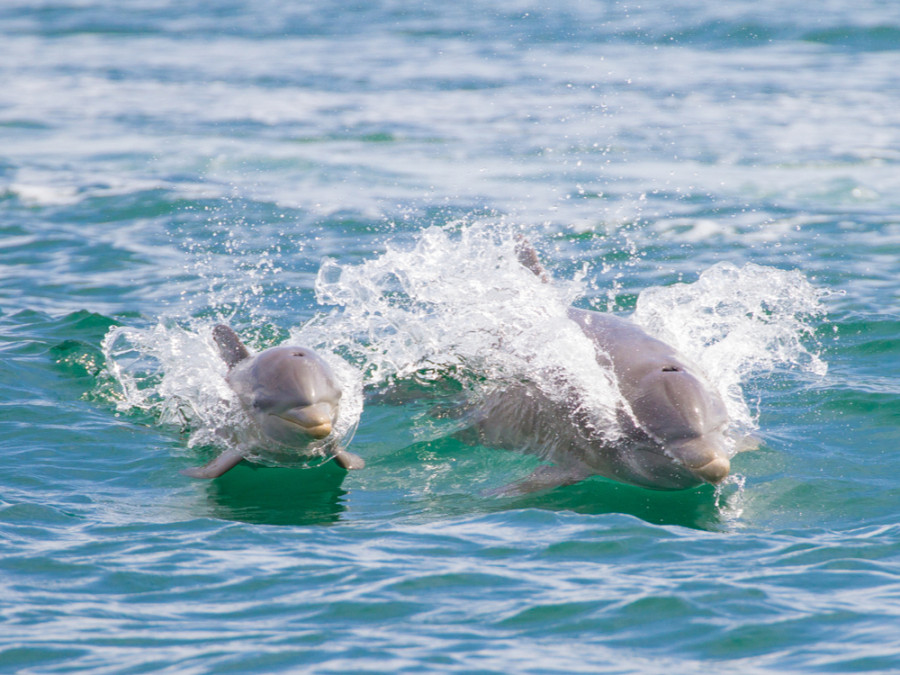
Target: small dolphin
(290, 392)
(673, 433)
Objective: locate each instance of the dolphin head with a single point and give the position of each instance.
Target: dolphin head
(293, 394)
(684, 418)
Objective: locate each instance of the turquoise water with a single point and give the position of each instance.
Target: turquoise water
(352, 174)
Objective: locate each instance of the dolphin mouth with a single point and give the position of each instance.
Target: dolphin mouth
(714, 471)
(315, 420)
(704, 459)
(319, 431)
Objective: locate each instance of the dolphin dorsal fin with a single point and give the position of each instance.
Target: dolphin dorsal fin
(528, 257)
(230, 346)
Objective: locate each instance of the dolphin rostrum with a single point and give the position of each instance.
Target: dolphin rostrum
(290, 393)
(672, 427)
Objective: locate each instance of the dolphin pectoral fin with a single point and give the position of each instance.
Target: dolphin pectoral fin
(747, 443)
(231, 349)
(545, 477)
(218, 466)
(348, 460)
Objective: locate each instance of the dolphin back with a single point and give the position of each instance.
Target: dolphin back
(230, 346)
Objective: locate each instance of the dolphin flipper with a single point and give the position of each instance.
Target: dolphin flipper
(230, 346)
(545, 477)
(348, 460)
(218, 466)
(747, 443)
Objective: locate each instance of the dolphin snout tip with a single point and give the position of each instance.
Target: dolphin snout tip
(704, 457)
(714, 471)
(315, 421)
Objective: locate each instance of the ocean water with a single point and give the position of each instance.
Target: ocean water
(354, 176)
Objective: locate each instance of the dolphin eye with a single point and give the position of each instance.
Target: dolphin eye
(671, 369)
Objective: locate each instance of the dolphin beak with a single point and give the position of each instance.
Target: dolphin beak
(320, 430)
(713, 471)
(704, 458)
(316, 419)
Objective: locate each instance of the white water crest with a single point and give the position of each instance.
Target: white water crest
(176, 375)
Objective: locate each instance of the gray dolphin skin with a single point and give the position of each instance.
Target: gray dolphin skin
(673, 436)
(290, 392)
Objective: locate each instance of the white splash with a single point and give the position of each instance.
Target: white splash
(737, 323)
(458, 301)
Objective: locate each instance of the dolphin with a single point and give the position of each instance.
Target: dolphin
(290, 393)
(672, 427)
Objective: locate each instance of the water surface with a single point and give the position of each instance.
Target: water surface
(164, 166)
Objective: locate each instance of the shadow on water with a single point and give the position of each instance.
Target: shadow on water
(279, 496)
(457, 480)
(696, 509)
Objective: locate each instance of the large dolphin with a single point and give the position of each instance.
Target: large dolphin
(673, 424)
(290, 393)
